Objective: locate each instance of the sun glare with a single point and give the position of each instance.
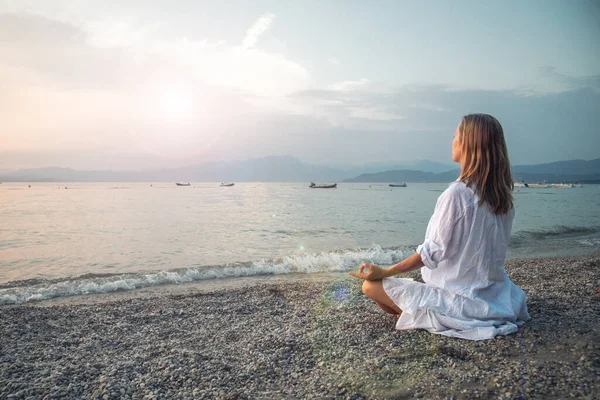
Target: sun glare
(177, 103)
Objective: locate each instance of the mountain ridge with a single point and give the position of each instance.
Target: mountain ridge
(291, 169)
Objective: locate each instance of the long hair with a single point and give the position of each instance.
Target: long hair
(484, 161)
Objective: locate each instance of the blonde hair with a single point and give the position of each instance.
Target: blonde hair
(484, 161)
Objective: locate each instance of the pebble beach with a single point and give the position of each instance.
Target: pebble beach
(300, 339)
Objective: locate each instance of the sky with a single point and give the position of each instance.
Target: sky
(145, 84)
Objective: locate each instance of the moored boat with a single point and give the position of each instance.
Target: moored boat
(182, 183)
(315, 186)
(403, 184)
(532, 185)
(225, 184)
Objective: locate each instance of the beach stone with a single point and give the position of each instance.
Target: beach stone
(290, 340)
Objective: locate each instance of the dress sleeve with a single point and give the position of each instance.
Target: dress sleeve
(444, 232)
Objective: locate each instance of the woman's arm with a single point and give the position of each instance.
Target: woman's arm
(445, 230)
(409, 264)
(373, 272)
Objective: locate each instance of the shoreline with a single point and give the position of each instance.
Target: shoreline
(88, 296)
(298, 337)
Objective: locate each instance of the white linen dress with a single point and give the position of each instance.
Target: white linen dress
(467, 293)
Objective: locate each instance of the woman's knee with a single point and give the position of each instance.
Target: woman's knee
(370, 288)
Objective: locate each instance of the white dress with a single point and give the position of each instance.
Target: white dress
(467, 293)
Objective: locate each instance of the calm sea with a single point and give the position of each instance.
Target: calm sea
(60, 239)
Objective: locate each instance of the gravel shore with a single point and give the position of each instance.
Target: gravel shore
(302, 339)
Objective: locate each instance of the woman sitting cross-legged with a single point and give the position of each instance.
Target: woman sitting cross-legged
(467, 293)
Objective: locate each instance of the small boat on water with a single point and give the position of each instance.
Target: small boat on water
(314, 186)
(225, 184)
(524, 184)
(182, 183)
(545, 185)
(403, 184)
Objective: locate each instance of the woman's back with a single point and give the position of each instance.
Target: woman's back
(476, 247)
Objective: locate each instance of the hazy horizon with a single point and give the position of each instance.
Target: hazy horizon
(134, 85)
(344, 166)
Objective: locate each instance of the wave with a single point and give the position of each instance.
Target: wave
(522, 238)
(31, 290)
(36, 290)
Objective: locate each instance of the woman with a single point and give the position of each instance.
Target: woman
(467, 293)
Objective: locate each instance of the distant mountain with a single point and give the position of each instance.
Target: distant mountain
(267, 169)
(405, 176)
(571, 167)
(290, 169)
(556, 178)
(419, 165)
(431, 166)
(57, 174)
(562, 171)
(420, 176)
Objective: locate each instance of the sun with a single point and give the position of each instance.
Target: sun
(177, 103)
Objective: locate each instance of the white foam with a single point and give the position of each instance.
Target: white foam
(589, 242)
(298, 263)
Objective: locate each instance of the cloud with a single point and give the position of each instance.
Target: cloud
(427, 106)
(121, 55)
(43, 52)
(567, 82)
(117, 33)
(409, 121)
(103, 86)
(248, 70)
(373, 114)
(333, 61)
(99, 87)
(540, 128)
(257, 29)
(548, 80)
(348, 104)
(350, 85)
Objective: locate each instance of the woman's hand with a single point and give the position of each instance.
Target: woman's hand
(370, 272)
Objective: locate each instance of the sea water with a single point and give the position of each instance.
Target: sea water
(61, 239)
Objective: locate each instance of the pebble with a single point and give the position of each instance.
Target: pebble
(296, 340)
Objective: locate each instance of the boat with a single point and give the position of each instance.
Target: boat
(533, 185)
(182, 183)
(563, 185)
(314, 186)
(224, 184)
(403, 184)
